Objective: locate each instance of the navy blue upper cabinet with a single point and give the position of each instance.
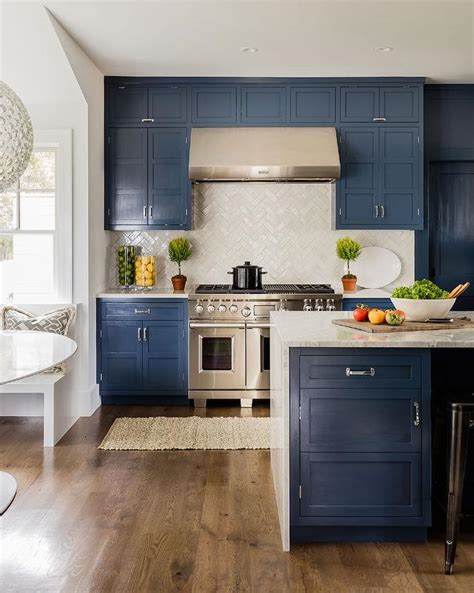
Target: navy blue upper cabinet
(381, 179)
(379, 123)
(312, 105)
(167, 104)
(365, 104)
(399, 105)
(400, 177)
(263, 105)
(127, 176)
(168, 185)
(359, 182)
(214, 105)
(127, 104)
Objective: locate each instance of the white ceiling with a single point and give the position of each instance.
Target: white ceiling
(295, 38)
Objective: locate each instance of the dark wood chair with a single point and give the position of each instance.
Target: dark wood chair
(460, 421)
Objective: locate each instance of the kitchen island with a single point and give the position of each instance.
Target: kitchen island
(351, 427)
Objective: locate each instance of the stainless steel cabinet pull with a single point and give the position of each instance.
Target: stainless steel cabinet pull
(417, 419)
(151, 211)
(364, 373)
(139, 334)
(376, 211)
(382, 211)
(145, 334)
(144, 211)
(145, 311)
(375, 119)
(146, 120)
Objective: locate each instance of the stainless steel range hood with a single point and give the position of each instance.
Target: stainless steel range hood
(264, 154)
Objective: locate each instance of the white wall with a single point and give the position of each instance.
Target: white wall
(34, 63)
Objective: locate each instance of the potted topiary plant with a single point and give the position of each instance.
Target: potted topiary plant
(179, 250)
(348, 250)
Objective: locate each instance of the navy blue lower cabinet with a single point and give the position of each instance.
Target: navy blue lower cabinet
(351, 303)
(360, 444)
(142, 351)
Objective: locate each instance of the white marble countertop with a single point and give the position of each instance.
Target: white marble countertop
(315, 329)
(367, 293)
(26, 353)
(157, 292)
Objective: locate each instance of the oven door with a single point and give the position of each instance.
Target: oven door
(216, 356)
(258, 356)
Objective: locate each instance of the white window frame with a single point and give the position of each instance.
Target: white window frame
(61, 141)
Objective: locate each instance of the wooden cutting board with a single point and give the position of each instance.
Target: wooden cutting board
(408, 326)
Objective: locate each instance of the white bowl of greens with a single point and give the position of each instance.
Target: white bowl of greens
(422, 300)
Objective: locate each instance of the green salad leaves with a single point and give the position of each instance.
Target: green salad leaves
(421, 289)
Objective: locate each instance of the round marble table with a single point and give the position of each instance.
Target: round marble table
(23, 354)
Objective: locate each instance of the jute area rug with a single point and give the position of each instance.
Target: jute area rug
(164, 433)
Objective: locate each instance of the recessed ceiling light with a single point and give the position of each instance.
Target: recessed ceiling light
(249, 50)
(384, 49)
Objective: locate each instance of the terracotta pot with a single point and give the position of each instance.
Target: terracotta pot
(179, 282)
(349, 284)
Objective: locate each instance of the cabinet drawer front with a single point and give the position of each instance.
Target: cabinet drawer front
(143, 311)
(360, 420)
(361, 485)
(364, 371)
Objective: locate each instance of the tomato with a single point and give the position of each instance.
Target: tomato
(361, 313)
(376, 316)
(394, 318)
(398, 311)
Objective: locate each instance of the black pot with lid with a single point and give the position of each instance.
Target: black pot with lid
(247, 277)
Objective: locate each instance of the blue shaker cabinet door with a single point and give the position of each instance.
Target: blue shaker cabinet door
(168, 180)
(127, 176)
(167, 104)
(313, 105)
(121, 355)
(164, 356)
(359, 179)
(361, 485)
(127, 104)
(214, 105)
(399, 104)
(400, 178)
(263, 105)
(359, 104)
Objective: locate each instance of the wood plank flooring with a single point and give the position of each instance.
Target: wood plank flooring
(91, 521)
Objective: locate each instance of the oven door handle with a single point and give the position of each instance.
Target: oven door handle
(258, 326)
(198, 325)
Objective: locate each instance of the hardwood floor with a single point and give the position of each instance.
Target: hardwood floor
(86, 520)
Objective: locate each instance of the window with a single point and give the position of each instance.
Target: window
(36, 226)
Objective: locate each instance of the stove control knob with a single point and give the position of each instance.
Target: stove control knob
(211, 308)
(233, 308)
(246, 311)
(330, 306)
(283, 305)
(222, 308)
(199, 309)
(319, 305)
(307, 305)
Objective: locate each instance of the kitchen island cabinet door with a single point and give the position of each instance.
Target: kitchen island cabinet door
(164, 354)
(121, 350)
(168, 184)
(126, 181)
(361, 488)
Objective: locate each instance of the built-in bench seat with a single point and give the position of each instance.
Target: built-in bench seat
(57, 413)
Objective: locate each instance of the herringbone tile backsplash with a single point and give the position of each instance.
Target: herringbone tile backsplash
(285, 228)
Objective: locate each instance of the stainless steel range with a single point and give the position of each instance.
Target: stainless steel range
(229, 345)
